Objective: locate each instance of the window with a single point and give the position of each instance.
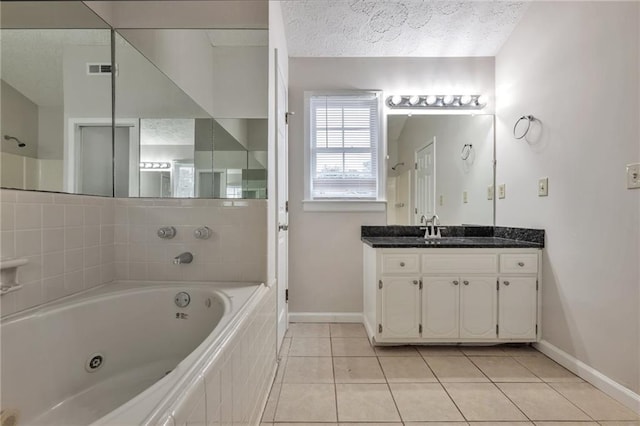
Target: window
(344, 146)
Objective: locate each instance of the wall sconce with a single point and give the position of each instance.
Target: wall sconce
(437, 101)
(148, 165)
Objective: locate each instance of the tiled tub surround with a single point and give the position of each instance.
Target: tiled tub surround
(453, 237)
(67, 239)
(236, 250)
(330, 373)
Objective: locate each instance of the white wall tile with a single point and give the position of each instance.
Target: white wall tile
(30, 295)
(53, 288)
(92, 215)
(107, 234)
(74, 215)
(52, 264)
(91, 236)
(73, 260)
(33, 197)
(74, 282)
(7, 216)
(92, 257)
(73, 237)
(28, 216)
(7, 244)
(52, 240)
(28, 243)
(52, 216)
(92, 277)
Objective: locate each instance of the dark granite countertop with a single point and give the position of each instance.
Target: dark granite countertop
(452, 237)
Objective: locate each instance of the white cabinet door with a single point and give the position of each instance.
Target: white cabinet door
(518, 308)
(440, 307)
(478, 307)
(400, 307)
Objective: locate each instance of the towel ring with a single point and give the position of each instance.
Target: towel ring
(529, 119)
(466, 151)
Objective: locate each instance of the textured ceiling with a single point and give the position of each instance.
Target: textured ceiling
(32, 60)
(167, 131)
(418, 28)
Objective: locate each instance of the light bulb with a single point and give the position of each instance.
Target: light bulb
(431, 100)
(447, 100)
(465, 99)
(396, 100)
(414, 100)
(482, 100)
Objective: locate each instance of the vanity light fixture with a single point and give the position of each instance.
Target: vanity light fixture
(148, 165)
(437, 101)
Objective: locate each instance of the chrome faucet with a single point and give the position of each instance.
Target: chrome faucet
(431, 229)
(185, 257)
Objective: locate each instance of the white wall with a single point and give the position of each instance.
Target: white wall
(325, 249)
(19, 119)
(579, 77)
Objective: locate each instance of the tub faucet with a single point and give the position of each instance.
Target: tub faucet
(185, 257)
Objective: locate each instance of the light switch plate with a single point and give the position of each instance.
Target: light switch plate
(465, 197)
(502, 190)
(490, 192)
(633, 176)
(441, 200)
(543, 187)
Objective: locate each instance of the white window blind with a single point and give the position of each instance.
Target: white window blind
(345, 134)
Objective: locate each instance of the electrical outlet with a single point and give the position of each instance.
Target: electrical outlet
(490, 192)
(442, 200)
(543, 187)
(633, 176)
(465, 197)
(502, 191)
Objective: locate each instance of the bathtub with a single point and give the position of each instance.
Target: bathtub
(127, 354)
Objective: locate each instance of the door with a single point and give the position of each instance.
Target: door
(425, 182)
(399, 307)
(96, 160)
(440, 312)
(478, 310)
(518, 308)
(282, 165)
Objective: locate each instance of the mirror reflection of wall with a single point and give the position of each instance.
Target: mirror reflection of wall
(48, 89)
(440, 164)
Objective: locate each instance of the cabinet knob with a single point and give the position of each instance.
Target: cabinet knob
(415, 282)
(521, 264)
(506, 283)
(402, 264)
(455, 282)
(465, 282)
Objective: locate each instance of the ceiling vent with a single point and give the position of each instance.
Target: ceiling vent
(99, 69)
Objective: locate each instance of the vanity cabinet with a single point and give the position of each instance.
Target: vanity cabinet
(451, 295)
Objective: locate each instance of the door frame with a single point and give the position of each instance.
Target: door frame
(416, 218)
(71, 156)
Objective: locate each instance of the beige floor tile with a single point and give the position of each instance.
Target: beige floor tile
(406, 369)
(503, 369)
(538, 401)
(547, 369)
(483, 350)
(365, 403)
(439, 351)
(420, 402)
(300, 329)
(483, 402)
(282, 365)
(371, 424)
(305, 424)
(435, 423)
(306, 403)
(309, 370)
(353, 369)
(621, 423)
(310, 346)
(594, 402)
(284, 349)
(347, 330)
(269, 412)
(455, 369)
(351, 346)
(566, 423)
(500, 423)
(521, 350)
(396, 351)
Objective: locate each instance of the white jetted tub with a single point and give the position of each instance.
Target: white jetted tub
(119, 354)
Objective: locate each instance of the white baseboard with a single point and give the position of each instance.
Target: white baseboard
(325, 317)
(612, 388)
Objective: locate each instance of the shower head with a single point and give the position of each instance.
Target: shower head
(20, 144)
(396, 166)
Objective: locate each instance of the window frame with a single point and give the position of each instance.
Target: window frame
(346, 204)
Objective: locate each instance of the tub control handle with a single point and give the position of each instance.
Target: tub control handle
(202, 233)
(521, 264)
(167, 232)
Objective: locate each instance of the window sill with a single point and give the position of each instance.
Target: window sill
(343, 206)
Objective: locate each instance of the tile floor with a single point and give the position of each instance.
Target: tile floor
(329, 373)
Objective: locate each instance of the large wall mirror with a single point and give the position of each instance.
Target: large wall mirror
(190, 107)
(442, 165)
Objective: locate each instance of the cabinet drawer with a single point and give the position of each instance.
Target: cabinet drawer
(459, 263)
(519, 263)
(399, 263)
